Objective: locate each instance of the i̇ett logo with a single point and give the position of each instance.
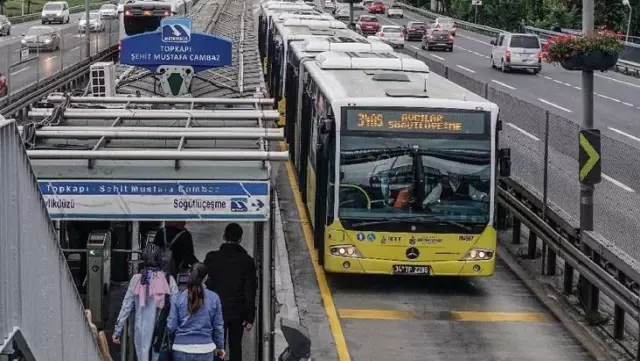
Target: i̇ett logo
(176, 30)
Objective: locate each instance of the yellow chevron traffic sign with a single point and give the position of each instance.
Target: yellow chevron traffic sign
(589, 157)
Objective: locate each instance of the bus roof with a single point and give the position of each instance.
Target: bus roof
(314, 46)
(301, 29)
(345, 76)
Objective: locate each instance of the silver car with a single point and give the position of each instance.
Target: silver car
(55, 12)
(342, 12)
(95, 23)
(395, 11)
(108, 11)
(516, 51)
(392, 35)
(5, 26)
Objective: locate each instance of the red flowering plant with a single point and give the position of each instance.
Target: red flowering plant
(561, 48)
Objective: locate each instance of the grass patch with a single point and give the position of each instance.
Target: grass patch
(14, 8)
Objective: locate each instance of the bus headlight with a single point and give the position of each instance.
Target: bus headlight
(345, 251)
(478, 254)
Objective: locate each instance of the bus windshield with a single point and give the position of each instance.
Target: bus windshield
(404, 173)
(134, 25)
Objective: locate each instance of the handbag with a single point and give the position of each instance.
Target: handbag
(162, 341)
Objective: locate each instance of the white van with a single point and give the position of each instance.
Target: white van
(516, 51)
(55, 12)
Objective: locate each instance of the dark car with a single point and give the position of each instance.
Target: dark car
(377, 7)
(368, 24)
(41, 38)
(414, 30)
(438, 38)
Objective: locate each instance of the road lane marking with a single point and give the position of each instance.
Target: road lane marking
(437, 56)
(618, 81)
(464, 68)
(555, 105)
(503, 84)
(523, 132)
(76, 48)
(323, 285)
(625, 134)
(472, 39)
(20, 71)
(459, 316)
(618, 183)
(627, 104)
(51, 58)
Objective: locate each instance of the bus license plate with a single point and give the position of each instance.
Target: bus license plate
(400, 269)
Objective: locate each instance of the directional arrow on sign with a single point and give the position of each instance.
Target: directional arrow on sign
(589, 157)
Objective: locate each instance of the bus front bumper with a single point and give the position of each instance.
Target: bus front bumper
(337, 264)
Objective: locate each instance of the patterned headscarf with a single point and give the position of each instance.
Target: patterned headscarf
(151, 261)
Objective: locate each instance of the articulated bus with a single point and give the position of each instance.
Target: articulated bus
(397, 166)
(138, 17)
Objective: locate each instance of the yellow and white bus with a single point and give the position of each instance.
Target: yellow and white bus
(397, 166)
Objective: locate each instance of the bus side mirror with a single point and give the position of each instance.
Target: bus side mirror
(504, 162)
(499, 126)
(341, 175)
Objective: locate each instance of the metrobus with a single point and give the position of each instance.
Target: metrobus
(138, 17)
(397, 166)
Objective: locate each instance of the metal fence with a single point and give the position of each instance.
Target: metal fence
(36, 16)
(23, 71)
(544, 153)
(39, 304)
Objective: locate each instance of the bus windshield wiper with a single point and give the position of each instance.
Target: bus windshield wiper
(422, 218)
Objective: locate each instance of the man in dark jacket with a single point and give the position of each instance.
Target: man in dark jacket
(232, 275)
(177, 239)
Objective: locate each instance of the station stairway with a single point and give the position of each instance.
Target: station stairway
(41, 314)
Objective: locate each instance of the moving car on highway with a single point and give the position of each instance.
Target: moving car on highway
(108, 11)
(367, 24)
(95, 23)
(395, 11)
(55, 12)
(516, 51)
(4, 89)
(392, 35)
(377, 7)
(42, 38)
(5, 26)
(438, 38)
(342, 12)
(414, 30)
(329, 5)
(445, 24)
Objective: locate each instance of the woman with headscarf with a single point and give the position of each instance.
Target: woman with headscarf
(147, 292)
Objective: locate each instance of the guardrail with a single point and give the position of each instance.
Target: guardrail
(612, 272)
(628, 66)
(27, 96)
(37, 16)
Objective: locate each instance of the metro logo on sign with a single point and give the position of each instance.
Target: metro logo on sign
(176, 30)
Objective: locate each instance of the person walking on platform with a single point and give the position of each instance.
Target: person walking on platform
(195, 320)
(232, 275)
(146, 292)
(176, 238)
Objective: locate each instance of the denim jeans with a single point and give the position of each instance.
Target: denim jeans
(183, 356)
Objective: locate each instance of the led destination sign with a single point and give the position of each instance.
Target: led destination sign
(427, 121)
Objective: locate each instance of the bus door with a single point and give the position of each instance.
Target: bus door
(306, 124)
(325, 160)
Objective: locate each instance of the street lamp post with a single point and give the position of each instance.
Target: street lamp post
(626, 2)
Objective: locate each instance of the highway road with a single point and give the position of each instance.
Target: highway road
(45, 64)
(557, 90)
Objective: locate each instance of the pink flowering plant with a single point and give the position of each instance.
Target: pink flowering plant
(559, 48)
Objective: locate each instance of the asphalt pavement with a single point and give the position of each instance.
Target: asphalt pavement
(41, 64)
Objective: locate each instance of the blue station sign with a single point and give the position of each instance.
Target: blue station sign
(175, 43)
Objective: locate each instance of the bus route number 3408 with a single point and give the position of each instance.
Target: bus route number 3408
(401, 269)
